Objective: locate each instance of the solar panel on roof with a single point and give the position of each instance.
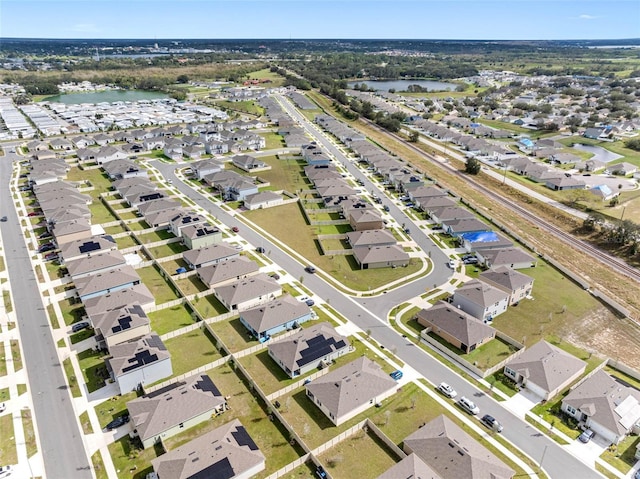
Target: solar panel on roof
(155, 342)
(123, 324)
(89, 246)
(243, 439)
(205, 384)
(137, 309)
(219, 470)
(140, 359)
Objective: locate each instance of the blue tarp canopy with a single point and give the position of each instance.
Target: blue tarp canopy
(480, 236)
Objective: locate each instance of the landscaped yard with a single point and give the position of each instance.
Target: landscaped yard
(154, 236)
(622, 456)
(170, 319)
(8, 451)
(168, 250)
(233, 334)
(159, 287)
(98, 466)
(100, 213)
(112, 408)
(71, 378)
(126, 242)
(72, 311)
(191, 285)
(98, 179)
(483, 357)
(191, 350)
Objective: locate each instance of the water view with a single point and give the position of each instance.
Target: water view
(402, 85)
(599, 153)
(109, 96)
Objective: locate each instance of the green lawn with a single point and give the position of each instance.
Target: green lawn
(93, 368)
(233, 335)
(82, 335)
(71, 378)
(628, 155)
(100, 213)
(130, 460)
(273, 141)
(155, 236)
(483, 357)
(168, 250)
(191, 285)
(126, 242)
(170, 319)
(3, 361)
(114, 230)
(8, 451)
(4, 394)
(112, 408)
(158, 286)
(344, 460)
(29, 433)
(15, 354)
(191, 350)
(98, 466)
(85, 423)
(209, 306)
(247, 106)
(72, 311)
(622, 456)
(98, 179)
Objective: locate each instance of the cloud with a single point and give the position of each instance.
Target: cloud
(584, 16)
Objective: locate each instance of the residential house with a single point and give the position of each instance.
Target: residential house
(544, 369)
(277, 315)
(448, 213)
(69, 231)
(106, 282)
(410, 467)
(109, 153)
(365, 219)
(225, 272)
(484, 240)
(606, 405)
(562, 183)
(314, 155)
(183, 219)
(227, 451)
(513, 257)
(137, 294)
(247, 293)
(603, 192)
(263, 199)
(120, 325)
(390, 256)
(454, 454)
(206, 167)
(208, 255)
(87, 247)
(249, 163)
(460, 226)
(480, 300)
(351, 389)
(201, 235)
(160, 204)
(517, 285)
(309, 349)
(455, 326)
(94, 264)
(173, 409)
(140, 361)
(564, 158)
(623, 169)
(367, 238)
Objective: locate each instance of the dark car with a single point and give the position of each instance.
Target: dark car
(310, 269)
(385, 207)
(117, 422)
(320, 472)
(260, 249)
(310, 302)
(80, 326)
(491, 422)
(235, 229)
(46, 247)
(275, 276)
(33, 213)
(586, 436)
(4, 218)
(50, 256)
(45, 235)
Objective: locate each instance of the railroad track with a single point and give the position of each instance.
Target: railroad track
(611, 261)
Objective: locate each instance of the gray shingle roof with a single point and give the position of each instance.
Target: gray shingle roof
(546, 365)
(226, 270)
(454, 454)
(106, 280)
(109, 259)
(209, 253)
(411, 467)
(247, 289)
(505, 278)
(480, 293)
(462, 326)
(137, 353)
(351, 386)
(275, 313)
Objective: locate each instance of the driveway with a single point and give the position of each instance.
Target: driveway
(588, 452)
(521, 403)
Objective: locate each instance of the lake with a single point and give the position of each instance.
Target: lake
(402, 85)
(599, 153)
(108, 96)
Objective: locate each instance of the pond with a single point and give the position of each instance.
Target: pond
(599, 153)
(402, 85)
(109, 96)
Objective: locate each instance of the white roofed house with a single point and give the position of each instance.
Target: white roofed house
(351, 389)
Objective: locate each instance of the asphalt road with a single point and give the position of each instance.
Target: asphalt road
(63, 450)
(367, 314)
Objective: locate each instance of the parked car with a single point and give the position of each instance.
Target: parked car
(33, 213)
(491, 422)
(397, 374)
(45, 235)
(260, 249)
(235, 229)
(447, 390)
(50, 256)
(452, 264)
(117, 422)
(3, 219)
(586, 436)
(310, 302)
(79, 326)
(470, 261)
(468, 405)
(46, 247)
(310, 269)
(637, 474)
(3, 407)
(320, 472)
(181, 270)
(275, 276)
(5, 471)
(385, 207)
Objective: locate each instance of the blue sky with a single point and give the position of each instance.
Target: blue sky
(428, 19)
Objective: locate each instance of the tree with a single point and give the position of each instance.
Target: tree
(182, 79)
(413, 138)
(472, 166)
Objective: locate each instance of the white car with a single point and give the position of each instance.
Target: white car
(468, 405)
(447, 390)
(5, 471)
(3, 406)
(452, 264)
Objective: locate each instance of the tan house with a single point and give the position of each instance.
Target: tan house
(365, 219)
(517, 285)
(120, 325)
(249, 292)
